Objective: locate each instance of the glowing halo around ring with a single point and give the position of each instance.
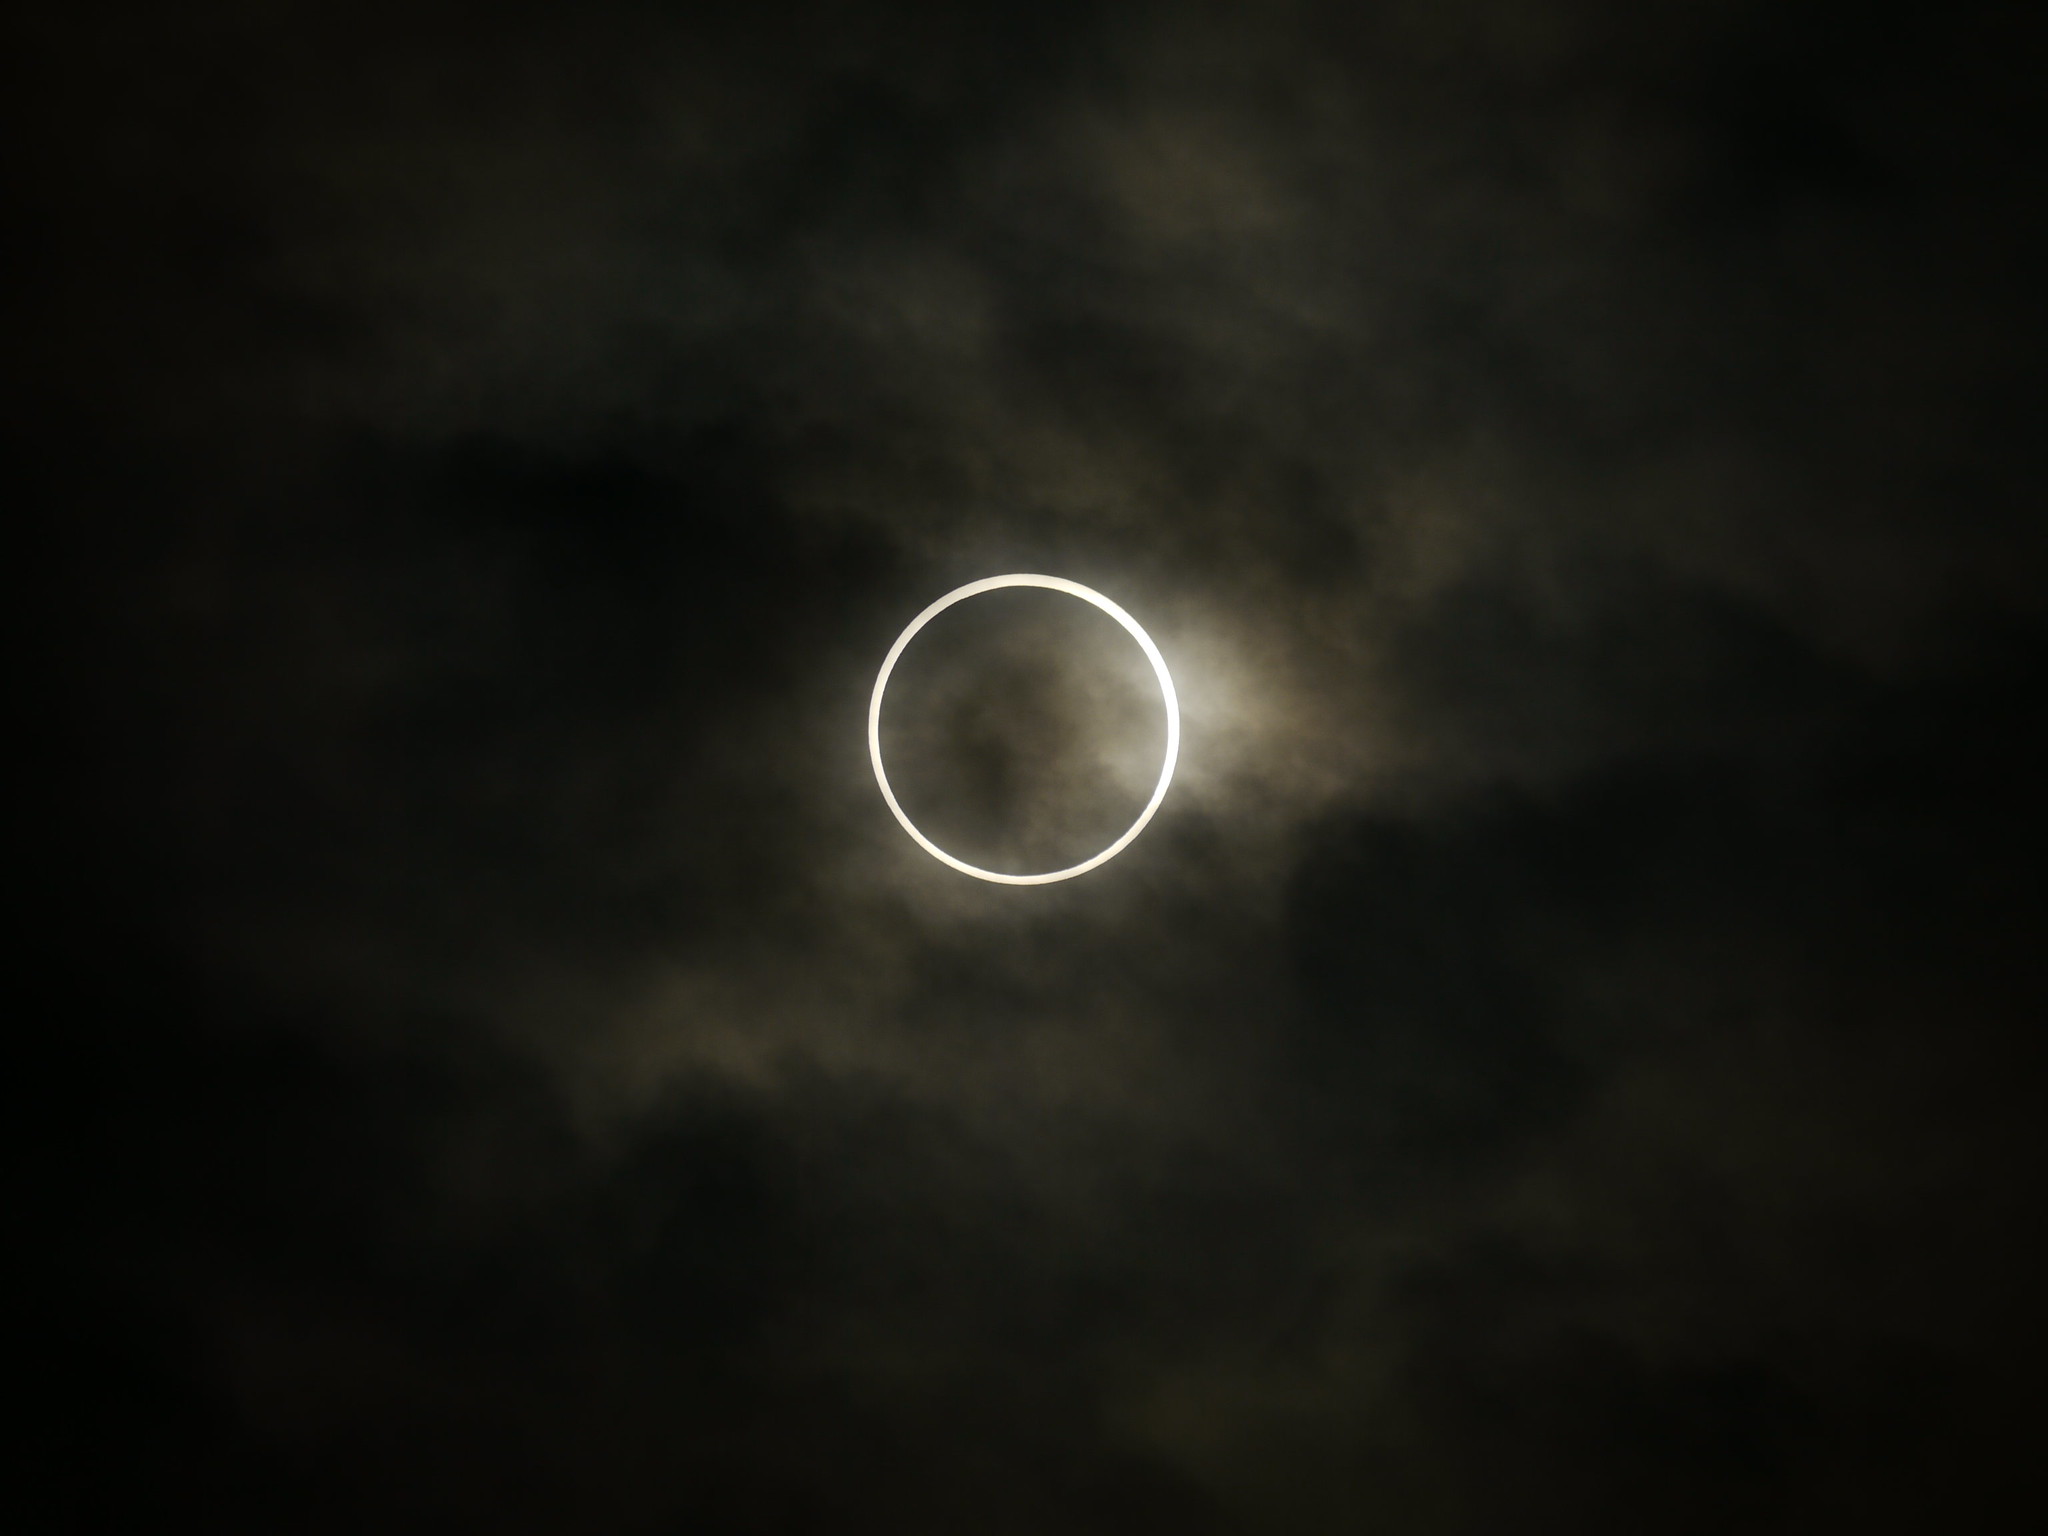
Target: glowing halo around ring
(1087, 595)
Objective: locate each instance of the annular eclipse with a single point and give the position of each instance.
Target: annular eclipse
(1087, 595)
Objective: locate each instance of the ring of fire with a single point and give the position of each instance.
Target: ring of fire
(1087, 595)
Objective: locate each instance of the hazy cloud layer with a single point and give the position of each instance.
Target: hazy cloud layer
(1565, 1055)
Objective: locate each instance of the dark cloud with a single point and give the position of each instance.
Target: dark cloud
(1566, 1055)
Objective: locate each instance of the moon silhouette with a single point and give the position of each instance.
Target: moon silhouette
(1087, 595)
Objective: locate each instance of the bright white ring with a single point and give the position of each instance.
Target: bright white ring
(1087, 595)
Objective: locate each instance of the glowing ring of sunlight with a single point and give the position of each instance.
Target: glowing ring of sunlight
(1087, 595)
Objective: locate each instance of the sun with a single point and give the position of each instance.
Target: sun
(1087, 595)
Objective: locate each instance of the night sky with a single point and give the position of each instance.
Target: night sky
(1569, 1054)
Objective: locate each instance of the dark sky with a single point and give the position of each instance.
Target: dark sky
(1568, 1055)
